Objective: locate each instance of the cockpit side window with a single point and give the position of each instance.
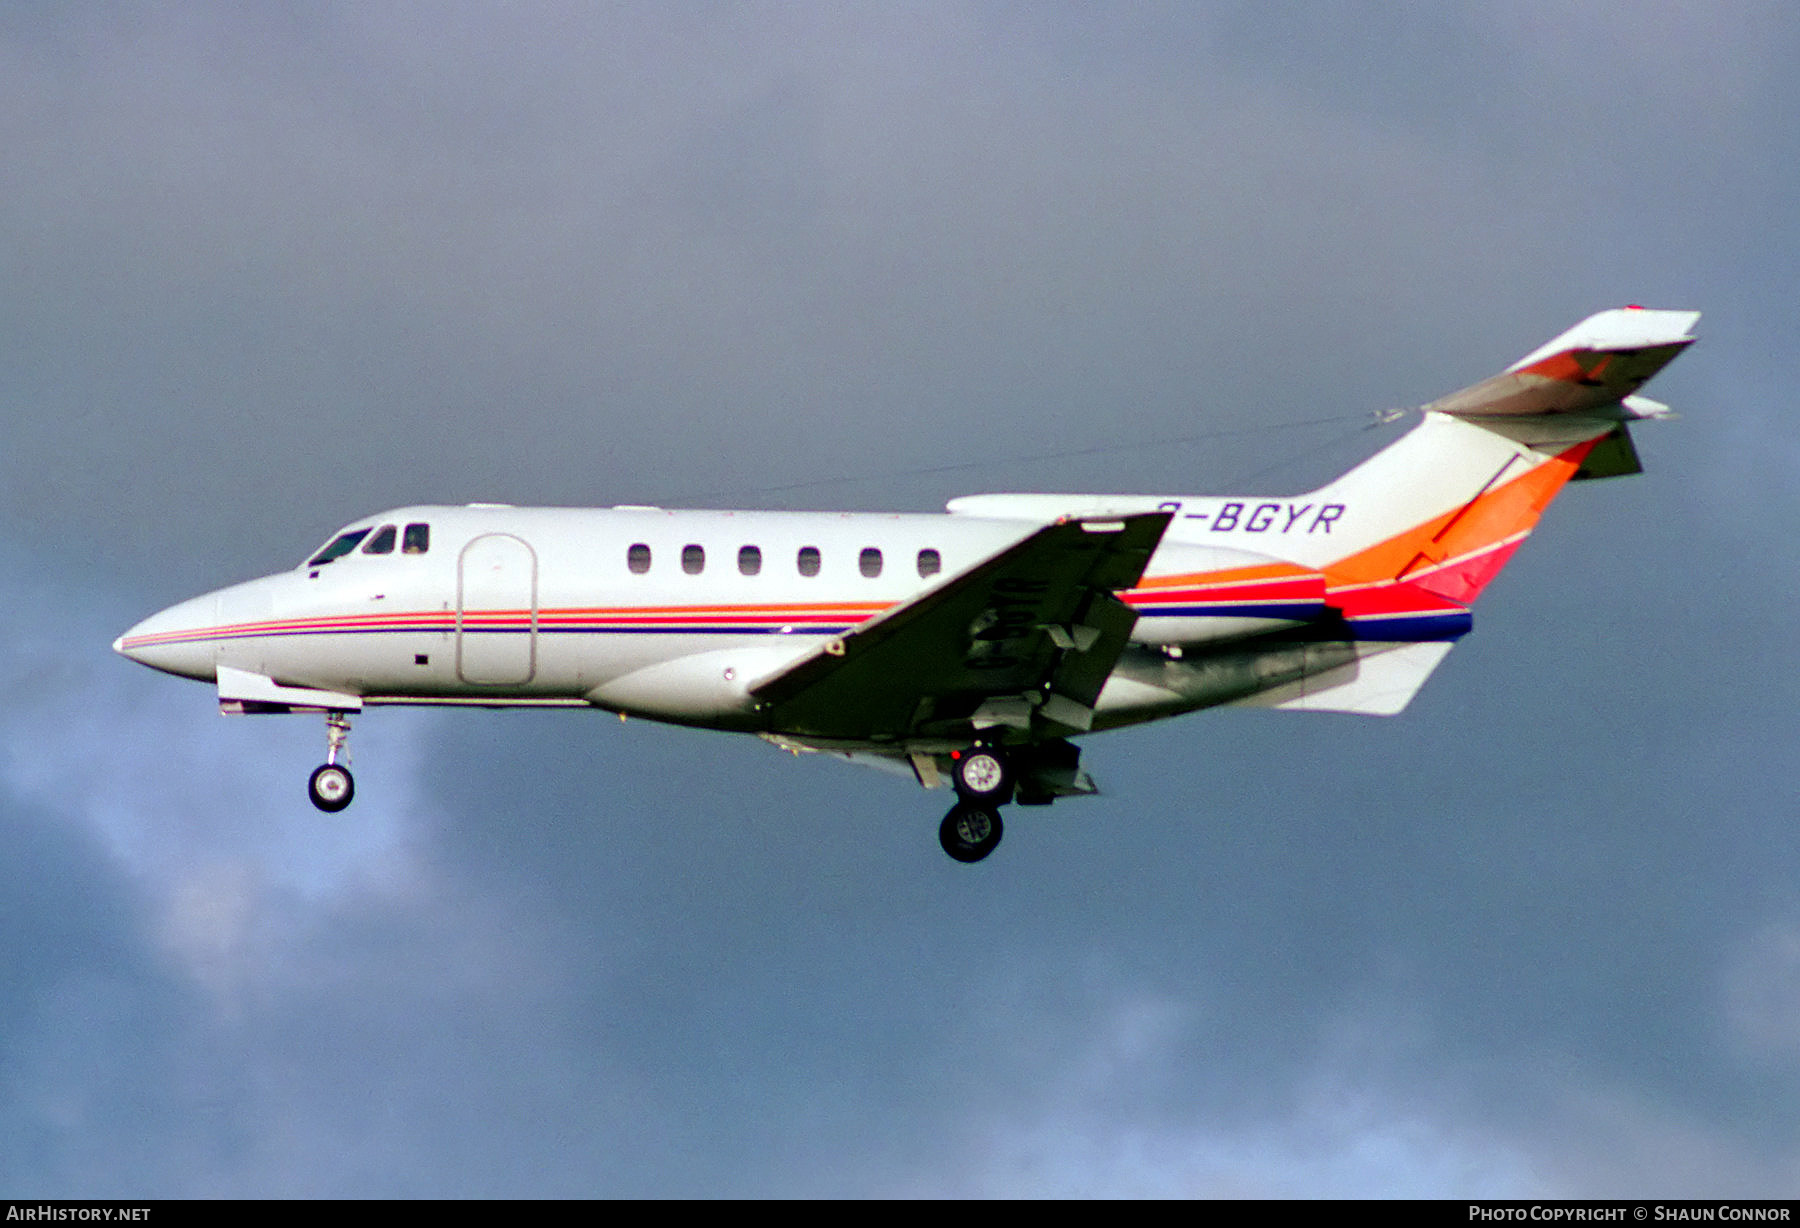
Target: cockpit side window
(340, 545)
(383, 541)
(417, 539)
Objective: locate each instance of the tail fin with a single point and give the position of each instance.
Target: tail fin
(1421, 528)
(1444, 507)
(1408, 539)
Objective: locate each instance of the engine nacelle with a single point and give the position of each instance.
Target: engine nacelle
(1193, 594)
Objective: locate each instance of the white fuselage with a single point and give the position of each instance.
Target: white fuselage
(666, 614)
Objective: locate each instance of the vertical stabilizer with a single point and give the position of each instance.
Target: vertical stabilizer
(1422, 527)
(1444, 507)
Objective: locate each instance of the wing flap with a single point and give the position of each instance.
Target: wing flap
(1024, 639)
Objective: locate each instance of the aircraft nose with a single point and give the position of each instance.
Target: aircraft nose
(179, 640)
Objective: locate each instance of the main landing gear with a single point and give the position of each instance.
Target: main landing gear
(970, 831)
(331, 786)
(984, 783)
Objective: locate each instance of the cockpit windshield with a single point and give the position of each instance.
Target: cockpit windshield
(340, 545)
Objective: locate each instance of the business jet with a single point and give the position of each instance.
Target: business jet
(967, 649)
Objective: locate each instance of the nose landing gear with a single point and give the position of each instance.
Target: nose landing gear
(331, 786)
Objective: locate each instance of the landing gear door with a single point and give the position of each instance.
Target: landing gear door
(496, 611)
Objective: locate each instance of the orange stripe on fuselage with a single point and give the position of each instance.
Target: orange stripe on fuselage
(1508, 511)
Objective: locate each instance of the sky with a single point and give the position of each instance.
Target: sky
(269, 269)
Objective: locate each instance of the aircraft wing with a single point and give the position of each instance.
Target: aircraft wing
(1024, 639)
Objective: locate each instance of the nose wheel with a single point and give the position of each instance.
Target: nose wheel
(332, 786)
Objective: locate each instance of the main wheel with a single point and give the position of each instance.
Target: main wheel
(331, 788)
(970, 832)
(982, 776)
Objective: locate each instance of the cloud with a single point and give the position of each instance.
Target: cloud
(310, 266)
(559, 955)
(272, 271)
(1761, 996)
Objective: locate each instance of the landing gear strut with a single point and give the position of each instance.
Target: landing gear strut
(331, 786)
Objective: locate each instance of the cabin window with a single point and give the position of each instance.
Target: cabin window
(383, 541)
(809, 560)
(638, 559)
(930, 562)
(416, 540)
(749, 560)
(869, 562)
(340, 545)
(693, 559)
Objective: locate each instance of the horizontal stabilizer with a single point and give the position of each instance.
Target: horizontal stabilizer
(1591, 370)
